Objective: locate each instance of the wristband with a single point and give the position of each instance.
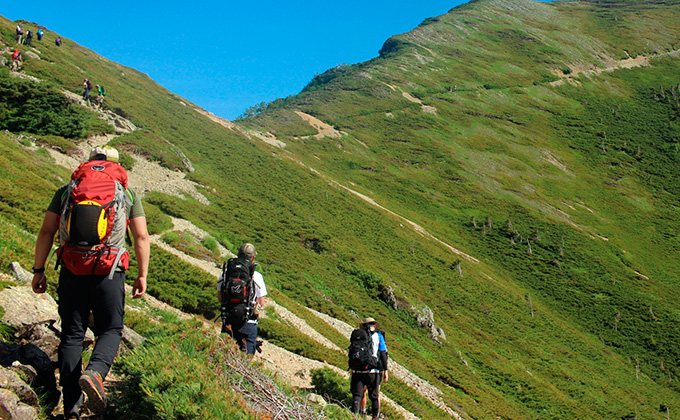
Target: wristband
(38, 270)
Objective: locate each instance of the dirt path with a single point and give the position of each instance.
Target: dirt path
(610, 65)
(323, 129)
(421, 386)
(292, 368)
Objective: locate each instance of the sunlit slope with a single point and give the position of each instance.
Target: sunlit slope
(559, 200)
(540, 138)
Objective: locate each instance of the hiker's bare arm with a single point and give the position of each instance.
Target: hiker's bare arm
(43, 246)
(260, 302)
(140, 235)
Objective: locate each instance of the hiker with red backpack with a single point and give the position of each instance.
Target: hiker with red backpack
(368, 363)
(92, 214)
(241, 291)
(16, 60)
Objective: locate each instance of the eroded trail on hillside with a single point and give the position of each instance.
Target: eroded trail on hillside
(609, 65)
(294, 369)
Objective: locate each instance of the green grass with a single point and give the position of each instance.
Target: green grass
(187, 243)
(561, 167)
(182, 371)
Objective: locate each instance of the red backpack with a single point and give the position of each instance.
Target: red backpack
(93, 219)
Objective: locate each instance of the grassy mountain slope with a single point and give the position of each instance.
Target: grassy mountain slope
(583, 174)
(564, 194)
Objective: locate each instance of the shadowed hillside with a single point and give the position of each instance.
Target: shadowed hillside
(498, 187)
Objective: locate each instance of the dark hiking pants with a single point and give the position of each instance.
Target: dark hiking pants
(78, 295)
(246, 336)
(372, 382)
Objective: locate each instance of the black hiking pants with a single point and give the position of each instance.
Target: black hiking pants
(372, 382)
(78, 296)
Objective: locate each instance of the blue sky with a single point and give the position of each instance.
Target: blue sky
(226, 56)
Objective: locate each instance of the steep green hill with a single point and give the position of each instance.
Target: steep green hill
(499, 165)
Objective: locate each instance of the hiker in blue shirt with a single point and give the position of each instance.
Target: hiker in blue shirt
(370, 379)
(40, 34)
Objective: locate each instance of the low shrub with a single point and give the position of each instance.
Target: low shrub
(330, 385)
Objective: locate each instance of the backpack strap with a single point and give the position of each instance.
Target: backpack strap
(116, 261)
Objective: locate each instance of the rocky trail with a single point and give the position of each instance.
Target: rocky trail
(293, 369)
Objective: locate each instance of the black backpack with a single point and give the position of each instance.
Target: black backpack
(237, 291)
(361, 358)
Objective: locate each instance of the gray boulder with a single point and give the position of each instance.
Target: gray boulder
(11, 381)
(22, 275)
(25, 308)
(13, 409)
(31, 54)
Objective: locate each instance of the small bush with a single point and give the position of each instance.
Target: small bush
(331, 386)
(210, 243)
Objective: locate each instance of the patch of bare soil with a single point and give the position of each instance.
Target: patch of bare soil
(610, 64)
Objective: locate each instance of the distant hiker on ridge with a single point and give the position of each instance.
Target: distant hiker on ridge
(16, 60)
(88, 86)
(99, 100)
(40, 34)
(368, 362)
(91, 214)
(57, 42)
(241, 291)
(29, 38)
(19, 34)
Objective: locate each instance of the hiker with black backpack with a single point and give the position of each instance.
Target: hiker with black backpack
(92, 214)
(368, 363)
(29, 38)
(241, 291)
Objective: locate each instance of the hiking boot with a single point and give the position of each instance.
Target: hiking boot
(93, 386)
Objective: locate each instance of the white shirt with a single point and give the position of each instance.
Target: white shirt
(260, 288)
(376, 344)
